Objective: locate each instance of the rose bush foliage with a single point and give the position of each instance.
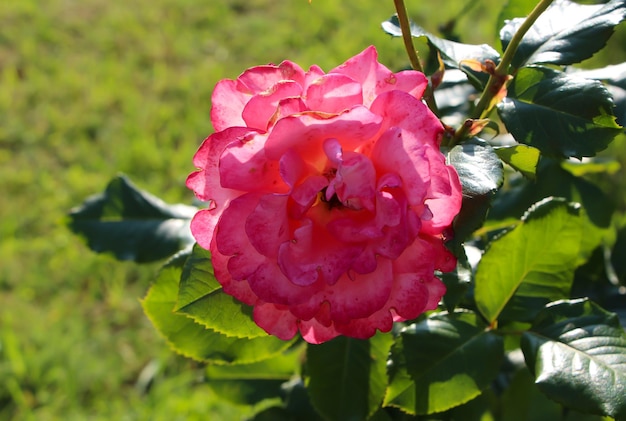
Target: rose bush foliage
(329, 200)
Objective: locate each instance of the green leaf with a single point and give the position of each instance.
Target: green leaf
(200, 296)
(193, 340)
(347, 377)
(452, 53)
(248, 384)
(480, 172)
(515, 8)
(577, 352)
(132, 224)
(592, 166)
(522, 158)
(565, 33)
(442, 362)
(559, 114)
(532, 264)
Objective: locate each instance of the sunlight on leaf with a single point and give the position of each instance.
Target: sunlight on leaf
(193, 340)
(532, 264)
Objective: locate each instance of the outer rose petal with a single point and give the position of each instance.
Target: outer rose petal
(260, 108)
(261, 78)
(400, 109)
(205, 183)
(243, 166)
(275, 320)
(229, 98)
(238, 289)
(316, 333)
(333, 94)
(376, 78)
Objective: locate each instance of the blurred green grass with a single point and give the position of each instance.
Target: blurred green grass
(95, 87)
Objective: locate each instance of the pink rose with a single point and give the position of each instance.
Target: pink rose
(329, 197)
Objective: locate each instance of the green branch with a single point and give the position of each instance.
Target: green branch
(407, 38)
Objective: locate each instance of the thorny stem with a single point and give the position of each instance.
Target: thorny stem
(496, 80)
(405, 27)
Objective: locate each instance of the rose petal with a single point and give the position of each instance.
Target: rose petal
(410, 295)
(314, 254)
(333, 94)
(203, 226)
(271, 285)
(262, 106)
(231, 239)
(275, 320)
(267, 226)
(287, 107)
(366, 327)
(444, 200)
(396, 155)
(238, 289)
(261, 78)
(355, 177)
(228, 101)
(243, 166)
(376, 78)
(305, 134)
(205, 183)
(362, 295)
(400, 109)
(316, 333)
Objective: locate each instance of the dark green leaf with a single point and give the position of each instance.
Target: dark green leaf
(565, 33)
(452, 53)
(347, 377)
(298, 401)
(481, 408)
(522, 158)
(132, 224)
(193, 340)
(522, 401)
(273, 413)
(577, 352)
(618, 257)
(442, 362)
(532, 264)
(480, 172)
(559, 114)
(200, 296)
(458, 281)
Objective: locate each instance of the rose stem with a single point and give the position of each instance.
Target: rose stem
(405, 27)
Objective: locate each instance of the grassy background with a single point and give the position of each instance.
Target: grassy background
(95, 87)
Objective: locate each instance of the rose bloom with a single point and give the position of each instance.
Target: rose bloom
(329, 198)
